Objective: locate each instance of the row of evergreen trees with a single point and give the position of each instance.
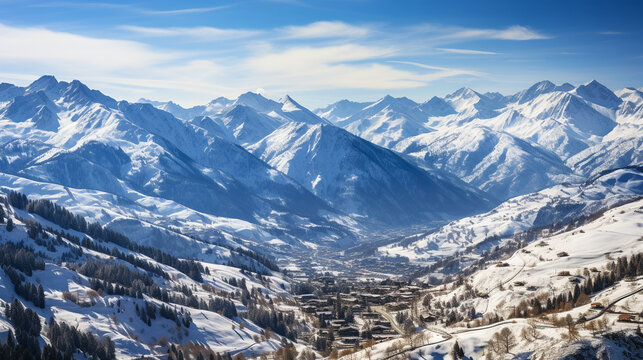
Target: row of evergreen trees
(67, 220)
(68, 339)
(27, 326)
(617, 270)
(136, 288)
(147, 313)
(28, 290)
(282, 324)
(20, 257)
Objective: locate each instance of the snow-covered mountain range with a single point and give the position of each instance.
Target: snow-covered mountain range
(276, 175)
(496, 142)
(175, 211)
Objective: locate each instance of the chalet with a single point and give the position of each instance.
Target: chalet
(324, 315)
(373, 299)
(348, 331)
(502, 264)
(574, 280)
(381, 330)
(346, 340)
(625, 318)
(562, 254)
(336, 324)
(370, 315)
(428, 317)
(397, 306)
(350, 300)
(483, 295)
(597, 305)
(532, 288)
(519, 283)
(306, 297)
(317, 302)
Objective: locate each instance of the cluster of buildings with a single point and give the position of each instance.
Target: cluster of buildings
(346, 313)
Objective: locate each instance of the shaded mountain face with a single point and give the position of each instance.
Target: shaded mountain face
(518, 143)
(496, 162)
(361, 178)
(386, 121)
(341, 110)
(597, 93)
(436, 107)
(539, 88)
(119, 147)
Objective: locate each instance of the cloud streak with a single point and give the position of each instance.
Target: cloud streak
(184, 10)
(450, 33)
(203, 33)
(325, 29)
(466, 51)
(322, 55)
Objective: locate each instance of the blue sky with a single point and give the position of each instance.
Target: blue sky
(320, 51)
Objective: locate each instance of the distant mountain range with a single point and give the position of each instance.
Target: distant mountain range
(276, 175)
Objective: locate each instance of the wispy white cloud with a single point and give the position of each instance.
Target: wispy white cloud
(199, 33)
(443, 33)
(466, 51)
(61, 50)
(130, 7)
(516, 32)
(184, 10)
(443, 70)
(268, 59)
(611, 33)
(325, 29)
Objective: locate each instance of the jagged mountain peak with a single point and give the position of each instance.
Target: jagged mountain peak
(257, 101)
(358, 176)
(44, 82)
(463, 92)
(539, 88)
(598, 93)
(221, 100)
(389, 100)
(436, 106)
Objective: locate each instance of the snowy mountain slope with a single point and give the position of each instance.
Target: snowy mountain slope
(247, 125)
(558, 121)
(436, 106)
(340, 110)
(118, 147)
(70, 296)
(386, 121)
(609, 154)
(248, 118)
(361, 178)
(153, 220)
(631, 108)
(175, 109)
(596, 93)
(532, 273)
(539, 88)
(212, 108)
(559, 203)
(470, 104)
(531, 293)
(498, 163)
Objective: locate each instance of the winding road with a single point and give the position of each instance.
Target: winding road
(600, 313)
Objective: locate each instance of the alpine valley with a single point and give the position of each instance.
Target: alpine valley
(251, 227)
